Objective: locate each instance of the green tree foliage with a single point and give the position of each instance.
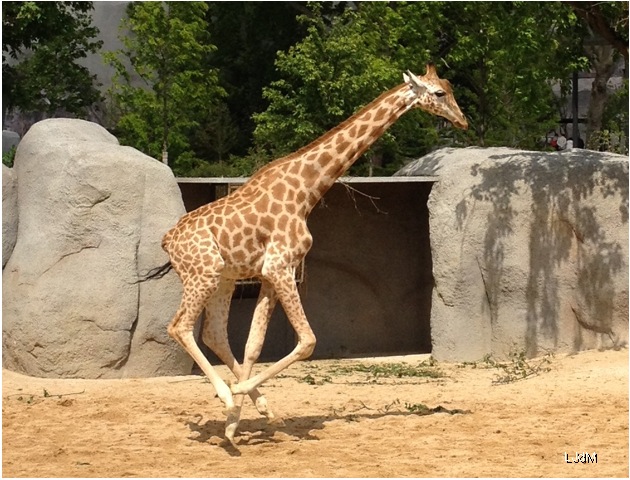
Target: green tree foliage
(608, 20)
(222, 87)
(605, 40)
(165, 89)
(506, 56)
(613, 133)
(344, 62)
(502, 58)
(247, 36)
(41, 43)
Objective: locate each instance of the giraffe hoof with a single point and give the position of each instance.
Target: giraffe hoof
(263, 407)
(231, 424)
(276, 422)
(232, 442)
(231, 447)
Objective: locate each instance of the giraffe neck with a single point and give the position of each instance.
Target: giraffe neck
(313, 169)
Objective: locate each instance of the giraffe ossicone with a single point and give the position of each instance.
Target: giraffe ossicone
(260, 230)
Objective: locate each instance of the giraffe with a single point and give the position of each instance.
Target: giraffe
(260, 230)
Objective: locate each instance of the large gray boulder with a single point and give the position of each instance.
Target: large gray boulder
(9, 213)
(92, 214)
(530, 251)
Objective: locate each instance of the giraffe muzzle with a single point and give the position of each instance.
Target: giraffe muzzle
(462, 124)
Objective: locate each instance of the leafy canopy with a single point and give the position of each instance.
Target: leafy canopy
(164, 86)
(41, 43)
(506, 56)
(502, 58)
(344, 62)
(275, 82)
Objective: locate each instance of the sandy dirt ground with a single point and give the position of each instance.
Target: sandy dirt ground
(338, 423)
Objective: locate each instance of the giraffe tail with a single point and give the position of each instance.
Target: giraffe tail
(155, 273)
(161, 271)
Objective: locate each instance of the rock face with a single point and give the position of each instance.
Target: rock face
(9, 213)
(92, 214)
(530, 251)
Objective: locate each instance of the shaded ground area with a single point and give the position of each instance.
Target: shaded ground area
(367, 417)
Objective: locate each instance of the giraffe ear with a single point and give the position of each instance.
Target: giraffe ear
(414, 82)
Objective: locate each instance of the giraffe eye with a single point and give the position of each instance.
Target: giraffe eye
(440, 93)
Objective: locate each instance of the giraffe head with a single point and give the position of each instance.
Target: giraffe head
(434, 95)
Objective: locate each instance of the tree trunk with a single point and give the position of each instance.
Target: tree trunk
(164, 154)
(375, 160)
(602, 60)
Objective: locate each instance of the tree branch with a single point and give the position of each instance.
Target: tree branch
(595, 19)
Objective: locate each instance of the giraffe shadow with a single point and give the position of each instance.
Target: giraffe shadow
(258, 431)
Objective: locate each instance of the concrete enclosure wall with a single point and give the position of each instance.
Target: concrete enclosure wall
(367, 283)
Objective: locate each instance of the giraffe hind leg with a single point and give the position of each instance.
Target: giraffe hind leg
(182, 326)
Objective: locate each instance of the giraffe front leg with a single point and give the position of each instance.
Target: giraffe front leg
(262, 314)
(284, 285)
